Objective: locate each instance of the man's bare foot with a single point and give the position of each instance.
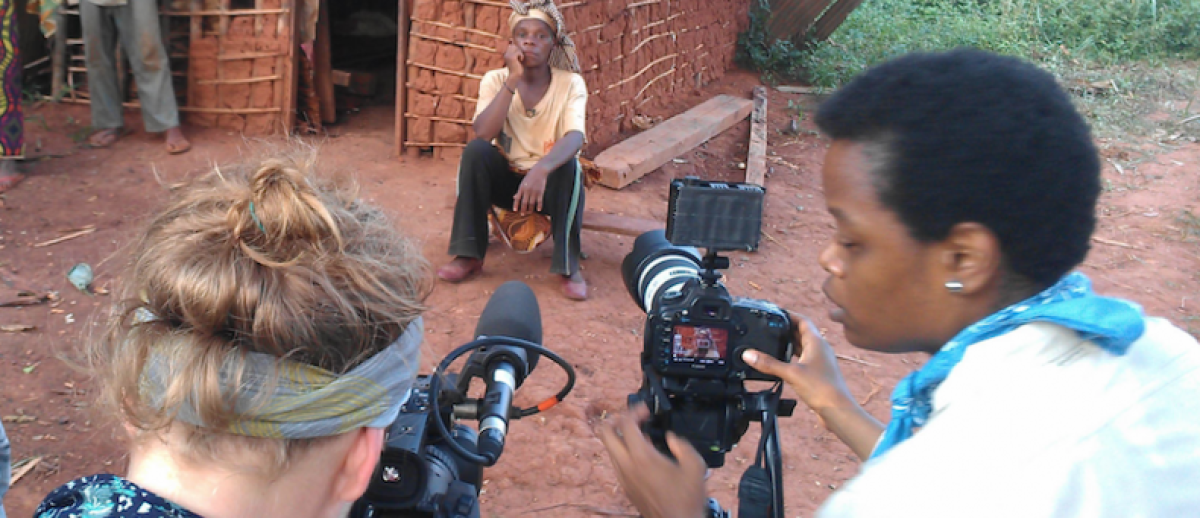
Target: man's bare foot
(460, 269)
(176, 142)
(105, 137)
(9, 176)
(574, 286)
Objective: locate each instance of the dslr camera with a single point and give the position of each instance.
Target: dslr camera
(694, 379)
(418, 474)
(432, 464)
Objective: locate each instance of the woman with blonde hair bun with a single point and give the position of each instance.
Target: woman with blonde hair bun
(269, 333)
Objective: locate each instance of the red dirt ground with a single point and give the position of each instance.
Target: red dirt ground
(1145, 249)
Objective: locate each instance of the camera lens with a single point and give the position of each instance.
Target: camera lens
(656, 267)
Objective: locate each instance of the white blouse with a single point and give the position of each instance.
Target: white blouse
(1039, 422)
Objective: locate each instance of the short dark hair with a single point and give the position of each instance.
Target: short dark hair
(970, 136)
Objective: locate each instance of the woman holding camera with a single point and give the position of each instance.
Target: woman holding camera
(269, 333)
(963, 186)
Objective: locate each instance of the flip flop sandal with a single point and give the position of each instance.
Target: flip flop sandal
(180, 150)
(111, 135)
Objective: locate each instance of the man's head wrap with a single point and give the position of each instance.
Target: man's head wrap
(562, 56)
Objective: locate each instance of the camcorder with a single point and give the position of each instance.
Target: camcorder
(694, 379)
(432, 465)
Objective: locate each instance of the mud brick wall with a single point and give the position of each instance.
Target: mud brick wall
(238, 67)
(634, 55)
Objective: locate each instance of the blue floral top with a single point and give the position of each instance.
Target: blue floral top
(107, 496)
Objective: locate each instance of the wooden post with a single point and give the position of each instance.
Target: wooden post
(756, 161)
(289, 69)
(195, 26)
(58, 59)
(402, 20)
(223, 19)
(323, 66)
(222, 30)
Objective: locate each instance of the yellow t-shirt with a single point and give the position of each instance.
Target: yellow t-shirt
(529, 135)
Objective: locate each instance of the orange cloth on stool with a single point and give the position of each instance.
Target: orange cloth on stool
(523, 232)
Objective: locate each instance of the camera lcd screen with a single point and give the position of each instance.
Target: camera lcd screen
(699, 344)
(715, 215)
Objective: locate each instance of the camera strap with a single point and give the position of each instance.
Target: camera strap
(754, 493)
(760, 491)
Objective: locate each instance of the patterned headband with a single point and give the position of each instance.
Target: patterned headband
(563, 55)
(284, 399)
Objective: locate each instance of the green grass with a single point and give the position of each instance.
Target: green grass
(1095, 32)
(1146, 50)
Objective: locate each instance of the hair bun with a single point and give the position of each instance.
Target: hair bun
(284, 216)
(275, 173)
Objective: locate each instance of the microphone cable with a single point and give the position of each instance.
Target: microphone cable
(435, 381)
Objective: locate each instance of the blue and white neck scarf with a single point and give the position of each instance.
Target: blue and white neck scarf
(1113, 324)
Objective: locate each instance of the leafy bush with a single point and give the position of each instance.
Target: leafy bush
(778, 59)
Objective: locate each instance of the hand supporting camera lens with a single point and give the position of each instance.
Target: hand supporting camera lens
(664, 488)
(660, 487)
(818, 382)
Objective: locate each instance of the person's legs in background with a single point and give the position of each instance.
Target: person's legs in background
(137, 25)
(99, 37)
(141, 37)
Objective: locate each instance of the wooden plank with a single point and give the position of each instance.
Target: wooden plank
(806, 90)
(452, 42)
(415, 146)
(243, 81)
(322, 65)
(622, 225)
(756, 160)
(199, 11)
(402, 75)
(633, 158)
(445, 70)
(240, 57)
(23, 468)
(226, 111)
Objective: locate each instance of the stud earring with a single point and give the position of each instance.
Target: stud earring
(954, 286)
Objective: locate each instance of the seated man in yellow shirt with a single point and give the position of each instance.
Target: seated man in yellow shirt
(530, 124)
